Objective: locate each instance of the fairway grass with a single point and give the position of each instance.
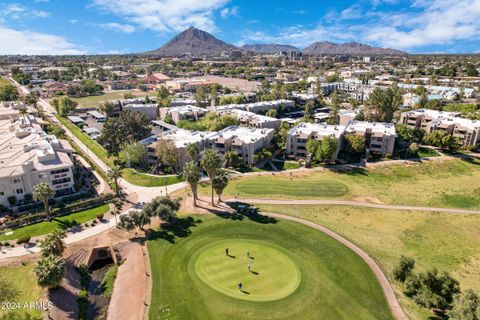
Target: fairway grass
(22, 278)
(94, 101)
(146, 180)
(448, 183)
(272, 276)
(68, 221)
(448, 242)
(334, 283)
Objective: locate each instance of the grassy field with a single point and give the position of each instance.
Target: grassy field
(440, 184)
(21, 278)
(145, 180)
(335, 283)
(4, 81)
(86, 140)
(94, 101)
(447, 242)
(108, 281)
(69, 221)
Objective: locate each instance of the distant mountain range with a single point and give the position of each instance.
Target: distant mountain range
(197, 42)
(269, 47)
(351, 48)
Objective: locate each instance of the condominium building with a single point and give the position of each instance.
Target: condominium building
(28, 156)
(251, 119)
(150, 110)
(299, 135)
(245, 141)
(466, 131)
(379, 136)
(259, 107)
(177, 114)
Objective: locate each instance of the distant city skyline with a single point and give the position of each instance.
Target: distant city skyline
(130, 26)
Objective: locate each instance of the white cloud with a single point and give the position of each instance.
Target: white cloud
(34, 43)
(125, 28)
(165, 15)
(225, 12)
(15, 11)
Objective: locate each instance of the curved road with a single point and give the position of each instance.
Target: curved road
(392, 301)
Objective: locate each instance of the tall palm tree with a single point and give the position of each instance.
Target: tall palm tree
(115, 173)
(43, 192)
(53, 243)
(50, 271)
(211, 162)
(191, 173)
(193, 150)
(220, 182)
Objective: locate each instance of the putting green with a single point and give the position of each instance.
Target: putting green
(269, 186)
(273, 274)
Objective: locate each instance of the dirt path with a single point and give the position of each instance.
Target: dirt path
(395, 307)
(353, 203)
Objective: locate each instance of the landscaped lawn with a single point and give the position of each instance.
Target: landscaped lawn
(68, 221)
(145, 180)
(297, 273)
(4, 81)
(22, 279)
(447, 242)
(450, 183)
(90, 143)
(425, 153)
(94, 101)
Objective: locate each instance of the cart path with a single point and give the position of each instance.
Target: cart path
(352, 203)
(392, 301)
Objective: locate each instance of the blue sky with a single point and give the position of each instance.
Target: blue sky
(126, 26)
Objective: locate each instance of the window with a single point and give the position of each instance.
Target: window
(16, 180)
(19, 191)
(60, 171)
(42, 176)
(2, 193)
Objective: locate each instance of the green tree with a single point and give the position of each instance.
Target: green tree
(403, 269)
(8, 92)
(133, 220)
(442, 140)
(49, 271)
(114, 174)
(64, 105)
(165, 208)
(328, 147)
(262, 155)
(191, 173)
(8, 292)
(383, 103)
(280, 137)
(167, 153)
(354, 143)
(312, 146)
(220, 182)
(162, 92)
(211, 162)
(201, 96)
(193, 151)
(233, 160)
(404, 132)
(271, 113)
(107, 108)
(309, 110)
(52, 244)
(133, 154)
(466, 306)
(43, 192)
(31, 99)
(130, 126)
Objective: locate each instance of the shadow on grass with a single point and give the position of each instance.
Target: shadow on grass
(73, 225)
(348, 170)
(250, 214)
(169, 232)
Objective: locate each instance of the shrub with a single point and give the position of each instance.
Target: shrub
(100, 216)
(24, 239)
(12, 200)
(82, 301)
(403, 269)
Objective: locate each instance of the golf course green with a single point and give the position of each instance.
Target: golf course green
(296, 272)
(272, 275)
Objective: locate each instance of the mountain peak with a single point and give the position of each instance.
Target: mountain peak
(195, 42)
(350, 48)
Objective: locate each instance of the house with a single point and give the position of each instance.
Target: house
(379, 136)
(150, 110)
(190, 113)
(251, 119)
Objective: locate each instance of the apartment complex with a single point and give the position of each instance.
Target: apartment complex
(299, 135)
(259, 107)
(245, 141)
(466, 131)
(179, 113)
(379, 137)
(28, 156)
(251, 119)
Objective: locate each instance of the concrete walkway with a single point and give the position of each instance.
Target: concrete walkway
(392, 301)
(352, 203)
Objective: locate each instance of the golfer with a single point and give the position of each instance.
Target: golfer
(240, 286)
(226, 251)
(249, 266)
(248, 254)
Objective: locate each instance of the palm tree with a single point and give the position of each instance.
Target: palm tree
(135, 219)
(50, 271)
(23, 113)
(193, 149)
(43, 192)
(53, 243)
(31, 99)
(220, 182)
(211, 162)
(191, 173)
(115, 173)
(164, 208)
